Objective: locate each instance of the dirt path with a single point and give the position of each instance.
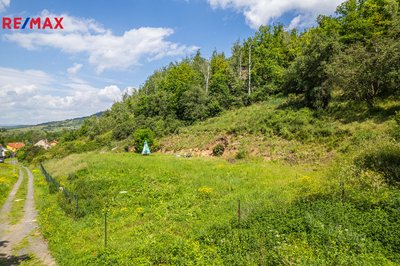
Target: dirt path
(12, 235)
(7, 205)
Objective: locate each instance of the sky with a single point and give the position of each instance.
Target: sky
(107, 48)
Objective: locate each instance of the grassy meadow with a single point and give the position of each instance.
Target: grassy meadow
(166, 210)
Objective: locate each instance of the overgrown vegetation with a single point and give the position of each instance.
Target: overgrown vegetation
(383, 159)
(8, 176)
(176, 194)
(287, 214)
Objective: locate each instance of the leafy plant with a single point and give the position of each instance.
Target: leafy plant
(218, 150)
(384, 159)
(241, 154)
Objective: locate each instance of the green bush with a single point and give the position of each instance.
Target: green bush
(321, 232)
(218, 149)
(28, 153)
(397, 118)
(384, 159)
(396, 128)
(123, 131)
(142, 135)
(242, 154)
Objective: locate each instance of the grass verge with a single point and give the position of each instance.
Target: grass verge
(17, 208)
(8, 176)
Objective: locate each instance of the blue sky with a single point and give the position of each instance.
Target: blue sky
(108, 47)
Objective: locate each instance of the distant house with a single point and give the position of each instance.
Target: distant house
(15, 146)
(2, 151)
(43, 143)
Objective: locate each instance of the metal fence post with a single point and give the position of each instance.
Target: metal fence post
(105, 228)
(76, 206)
(239, 212)
(342, 191)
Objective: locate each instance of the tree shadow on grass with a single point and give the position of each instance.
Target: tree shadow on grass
(348, 111)
(359, 113)
(6, 260)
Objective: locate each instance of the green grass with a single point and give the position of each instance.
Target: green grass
(170, 203)
(184, 211)
(17, 208)
(8, 176)
(274, 130)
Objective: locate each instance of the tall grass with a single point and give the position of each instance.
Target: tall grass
(185, 211)
(8, 176)
(169, 203)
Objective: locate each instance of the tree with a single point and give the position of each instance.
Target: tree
(366, 73)
(366, 20)
(221, 83)
(193, 105)
(202, 66)
(178, 79)
(307, 75)
(123, 130)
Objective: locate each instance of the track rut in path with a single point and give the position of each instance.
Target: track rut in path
(12, 235)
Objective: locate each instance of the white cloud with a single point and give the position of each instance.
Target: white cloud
(302, 21)
(74, 69)
(32, 96)
(16, 82)
(4, 4)
(111, 92)
(130, 90)
(105, 50)
(261, 12)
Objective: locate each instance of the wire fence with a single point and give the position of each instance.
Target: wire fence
(70, 199)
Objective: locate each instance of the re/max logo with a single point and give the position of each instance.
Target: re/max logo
(32, 23)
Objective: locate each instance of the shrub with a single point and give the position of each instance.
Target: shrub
(28, 153)
(384, 160)
(396, 128)
(218, 150)
(397, 118)
(320, 232)
(142, 135)
(242, 154)
(123, 131)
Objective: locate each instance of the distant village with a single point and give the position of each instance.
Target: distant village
(13, 147)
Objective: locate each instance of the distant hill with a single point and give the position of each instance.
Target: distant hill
(53, 126)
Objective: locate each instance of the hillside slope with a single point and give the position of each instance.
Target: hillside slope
(53, 126)
(278, 130)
